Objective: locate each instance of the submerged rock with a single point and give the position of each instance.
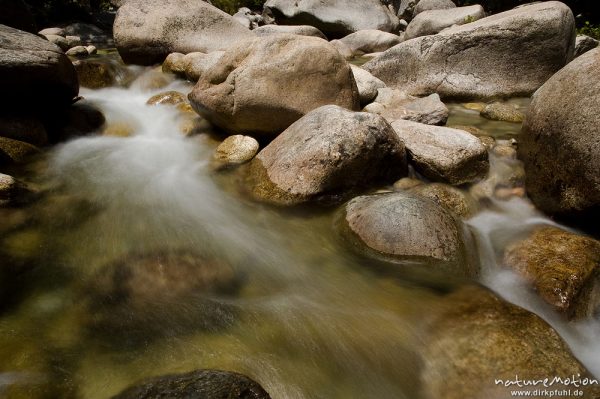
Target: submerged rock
(560, 142)
(434, 21)
(394, 104)
(161, 293)
(96, 74)
(236, 149)
(502, 112)
(335, 18)
(563, 267)
(199, 384)
(325, 154)
(146, 31)
(451, 198)
(443, 154)
(478, 338)
(167, 98)
(15, 151)
(479, 60)
(401, 225)
(265, 84)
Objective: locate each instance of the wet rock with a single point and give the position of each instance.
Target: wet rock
(236, 149)
(265, 84)
(434, 21)
(584, 43)
(367, 84)
(563, 267)
(394, 104)
(427, 5)
(95, 74)
(502, 112)
(174, 64)
(560, 141)
(302, 30)
(325, 154)
(407, 183)
(91, 50)
(14, 151)
(443, 154)
(139, 293)
(77, 51)
(401, 225)
(73, 41)
(335, 18)
(478, 337)
(370, 41)
(59, 41)
(451, 198)
(12, 191)
(478, 60)
(199, 384)
(23, 128)
(146, 31)
(167, 98)
(30, 64)
(81, 119)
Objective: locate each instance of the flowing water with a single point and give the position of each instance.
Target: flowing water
(313, 318)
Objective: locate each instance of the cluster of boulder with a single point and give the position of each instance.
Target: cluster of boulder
(71, 45)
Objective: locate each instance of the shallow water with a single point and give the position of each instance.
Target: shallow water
(313, 319)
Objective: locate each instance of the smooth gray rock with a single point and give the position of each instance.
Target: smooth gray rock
(434, 21)
(402, 225)
(394, 104)
(326, 154)
(302, 30)
(146, 31)
(73, 41)
(367, 84)
(370, 41)
(34, 71)
(263, 85)
(443, 154)
(427, 5)
(78, 51)
(58, 40)
(480, 59)
(12, 191)
(584, 44)
(560, 141)
(335, 18)
(52, 32)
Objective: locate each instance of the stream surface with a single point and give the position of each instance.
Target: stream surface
(313, 319)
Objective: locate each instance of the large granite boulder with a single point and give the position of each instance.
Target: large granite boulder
(302, 30)
(335, 18)
(263, 85)
(443, 154)
(428, 5)
(146, 31)
(508, 54)
(434, 21)
(367, 84)
(34, 71)
(560, 141)
(324, 155)
(394, 104)
(405, 226)
(584, 43)
(199, 384)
